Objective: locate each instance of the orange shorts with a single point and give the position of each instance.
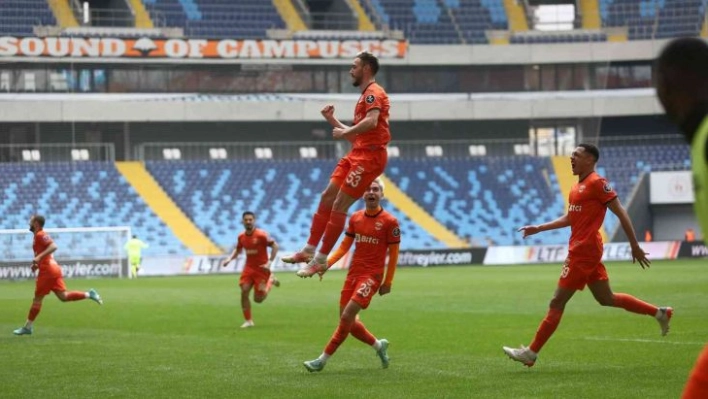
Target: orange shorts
(355, 171)
(360, 289)
(575, 275)
(45, 285)
(257, 277)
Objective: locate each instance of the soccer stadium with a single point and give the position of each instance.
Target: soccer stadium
(166, 120)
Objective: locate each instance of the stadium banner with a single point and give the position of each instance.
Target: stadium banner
(614, 251)
(111, 47)
(209, 264)
(693, 249)
(442, 257)
(671, 188)
(82, 268)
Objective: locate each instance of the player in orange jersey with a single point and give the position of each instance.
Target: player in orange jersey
(256, 272)
(375, 232)
(49, 278)
(589, 200)
(369, 135)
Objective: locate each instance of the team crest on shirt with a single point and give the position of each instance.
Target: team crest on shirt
(581, 188)
(370, 99)
(607, 187)
(378, 226)
(396, 232)
(46, 238)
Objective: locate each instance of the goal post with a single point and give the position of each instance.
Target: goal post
(81, 252)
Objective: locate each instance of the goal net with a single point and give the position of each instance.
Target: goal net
(82, 252)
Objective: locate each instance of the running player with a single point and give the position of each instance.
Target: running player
(256, 272)
(375, 232)
(49, 278)
(589, 200)
(369, 135)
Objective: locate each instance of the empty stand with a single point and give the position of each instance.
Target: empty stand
(283, 194)
(654, 19)
(487, 197)
(86, 194)
(238, 19)
(17, 17)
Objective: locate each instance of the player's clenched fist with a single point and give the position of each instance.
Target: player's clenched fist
(327, 111)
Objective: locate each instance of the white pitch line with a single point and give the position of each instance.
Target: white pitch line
(642, 340)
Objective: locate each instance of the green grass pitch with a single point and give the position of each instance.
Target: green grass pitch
(179, 338)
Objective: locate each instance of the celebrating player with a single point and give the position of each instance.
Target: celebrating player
(682, 88)
(49, 278)
(365, 162)
(375, 231)
(256, 272)
(589, 200)
(134, 247)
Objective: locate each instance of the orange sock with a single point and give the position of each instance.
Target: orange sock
(75, 296)
(319, 224)
(360, 332)
(697, 385)
(546, 329)
(247, 314)
(634, 305)
(340, 334)
(34, 311)
(337, 220)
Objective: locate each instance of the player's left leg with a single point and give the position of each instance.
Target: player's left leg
(28, 328)
(360, 332)
(346, 321)
(600, 288)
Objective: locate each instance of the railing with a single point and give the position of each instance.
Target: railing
(403, 149)
(57, 152)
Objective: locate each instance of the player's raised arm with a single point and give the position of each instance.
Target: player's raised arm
(638, 253)
(559, 223)
(328, 113)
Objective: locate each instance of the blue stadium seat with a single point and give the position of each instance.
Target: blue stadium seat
(87, 194)
(283, 194)
(654, 19)
(17, 17)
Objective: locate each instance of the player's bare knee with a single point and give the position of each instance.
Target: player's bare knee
(557, 303)
(605, 300)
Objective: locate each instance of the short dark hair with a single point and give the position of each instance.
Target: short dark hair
(591, 149)
(39, 219)
(369, 59)
(688, 56)
(248, 213)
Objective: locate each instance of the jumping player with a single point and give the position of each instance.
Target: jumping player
(369, 136)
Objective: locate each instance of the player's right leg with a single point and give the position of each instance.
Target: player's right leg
(39, 294)
(246, 284)
(321, 217)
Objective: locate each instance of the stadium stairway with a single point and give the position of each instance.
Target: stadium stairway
(62, 12)
(142, 18)
(163, 206)
(516, 16)
(590, 11)
(419, 216)
(365, 23)
(292, 18)
(564, 173)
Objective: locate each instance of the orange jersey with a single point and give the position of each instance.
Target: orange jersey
(586, 212)
(372, 235)
(48, 267)
(373, 97)
(256, 246)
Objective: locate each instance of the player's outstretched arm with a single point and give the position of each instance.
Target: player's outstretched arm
(559, 223)
(390, 269)
(638, 254)
(344, 247)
